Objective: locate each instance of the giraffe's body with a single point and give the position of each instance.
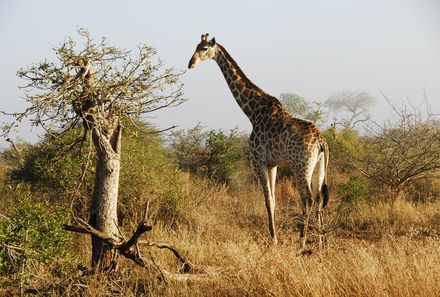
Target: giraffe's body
(277, 138)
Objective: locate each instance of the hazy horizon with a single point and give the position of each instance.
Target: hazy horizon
(311, 48)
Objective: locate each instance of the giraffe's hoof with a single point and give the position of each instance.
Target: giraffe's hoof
(305, 252)
(273, 242)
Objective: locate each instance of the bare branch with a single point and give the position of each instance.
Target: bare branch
(187, 266)
(128, 248)
(14, 146)
(149, 132)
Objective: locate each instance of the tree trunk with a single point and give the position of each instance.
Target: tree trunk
(103, 209)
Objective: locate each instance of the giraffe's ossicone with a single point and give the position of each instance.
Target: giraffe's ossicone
(277, 139)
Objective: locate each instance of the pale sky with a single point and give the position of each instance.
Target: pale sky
(314, 48)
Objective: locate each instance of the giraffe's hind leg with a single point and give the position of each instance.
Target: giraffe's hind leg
(320, 222)
(306, 205)
(320, 202)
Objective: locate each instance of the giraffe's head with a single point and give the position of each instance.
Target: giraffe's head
(204, 50)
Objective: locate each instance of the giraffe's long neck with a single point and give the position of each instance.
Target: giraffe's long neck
(249, 97)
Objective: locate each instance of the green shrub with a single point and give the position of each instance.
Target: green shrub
(225, 153)
(32, 234)
(55, 166)
(343, 146)
(147, 172)
(216, 155)
(353, 193)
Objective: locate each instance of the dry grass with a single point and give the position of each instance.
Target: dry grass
(372, 251)
(403, 218)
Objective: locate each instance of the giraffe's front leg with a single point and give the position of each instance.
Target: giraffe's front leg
(265, 178)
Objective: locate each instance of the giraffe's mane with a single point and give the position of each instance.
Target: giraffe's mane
(240, 72)
(248, 83)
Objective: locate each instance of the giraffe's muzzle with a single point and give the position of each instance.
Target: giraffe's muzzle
(192, 63)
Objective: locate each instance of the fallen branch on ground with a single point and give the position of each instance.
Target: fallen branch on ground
(129, 248)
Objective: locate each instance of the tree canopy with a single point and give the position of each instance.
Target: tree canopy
(92, 82)
(300, 107)
(351, 107)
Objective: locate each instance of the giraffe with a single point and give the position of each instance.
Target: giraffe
(277, 139)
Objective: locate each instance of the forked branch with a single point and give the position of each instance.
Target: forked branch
(128, 248)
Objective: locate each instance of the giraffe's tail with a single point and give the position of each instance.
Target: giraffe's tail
(326, 194)
(325, 191)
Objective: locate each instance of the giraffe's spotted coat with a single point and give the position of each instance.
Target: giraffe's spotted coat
(277, 137)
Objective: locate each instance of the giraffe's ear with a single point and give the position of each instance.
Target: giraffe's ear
(212, 42)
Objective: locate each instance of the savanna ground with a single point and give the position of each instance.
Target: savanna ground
(373, 250)
(204, 201)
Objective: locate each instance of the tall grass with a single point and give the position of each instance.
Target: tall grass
(380, 249)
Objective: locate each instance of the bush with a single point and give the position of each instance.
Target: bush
(32, 234)
(401, 153)
(353, 193)
(225, 154)
(424, 190)
(55, 166)
(147, 173)
(342, 145)
(216, 155)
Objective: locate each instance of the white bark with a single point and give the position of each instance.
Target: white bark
(103, 210)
